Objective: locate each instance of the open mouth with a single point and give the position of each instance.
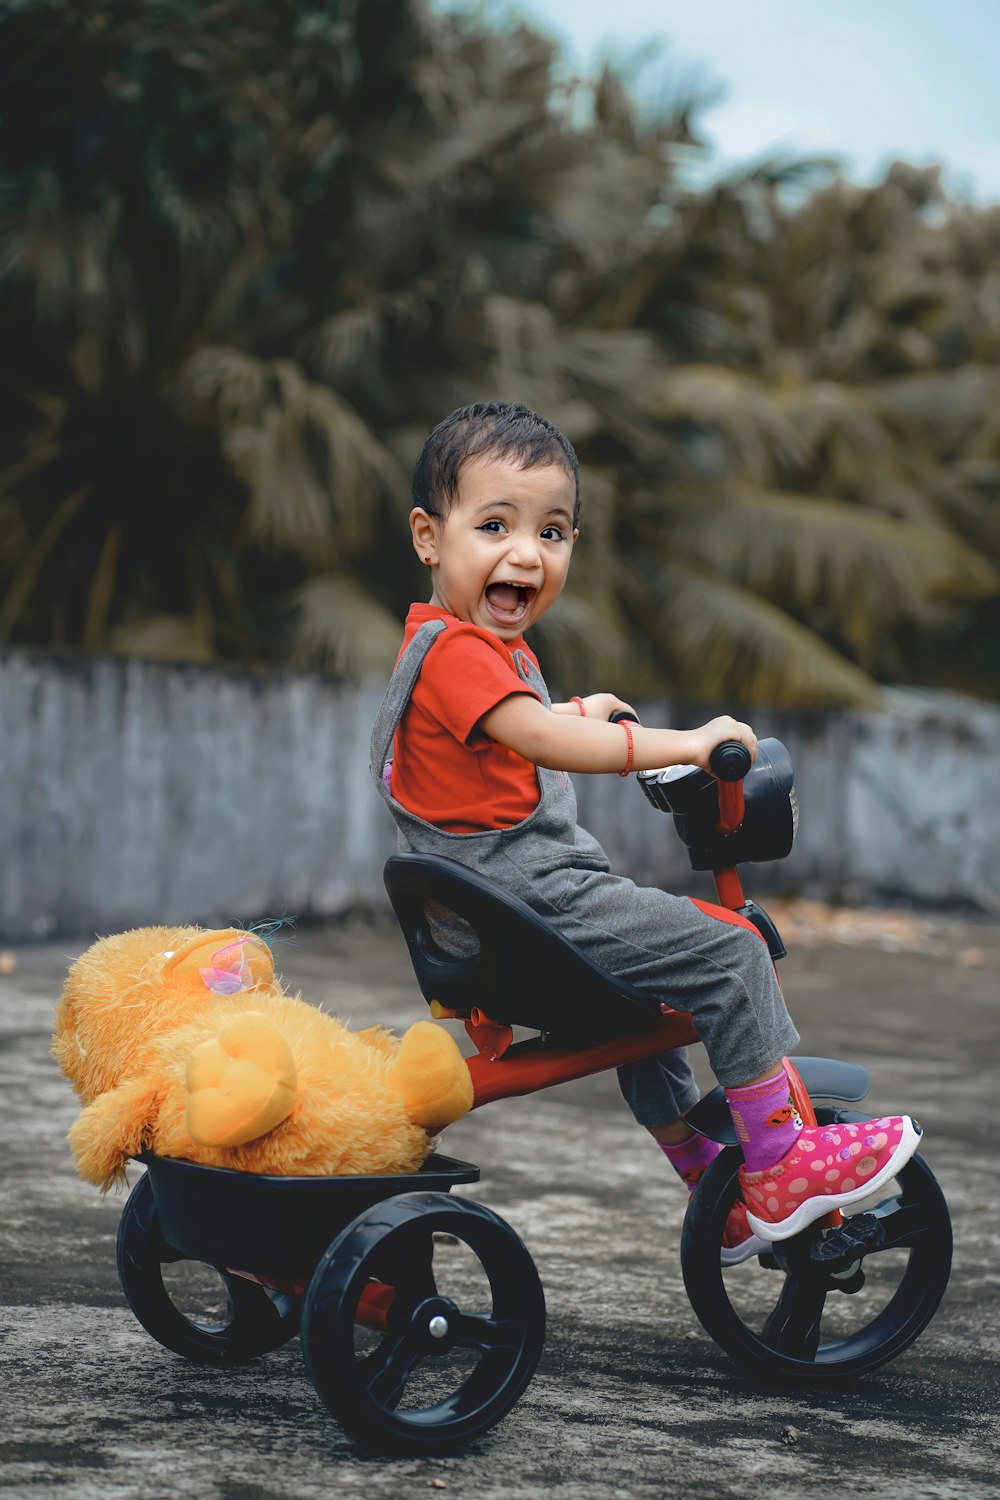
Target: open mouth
(509, 603)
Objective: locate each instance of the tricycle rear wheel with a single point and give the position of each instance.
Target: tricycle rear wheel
(423, 1323)
(234, 1323)
(826, 1304)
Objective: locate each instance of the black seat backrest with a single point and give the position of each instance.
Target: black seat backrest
(525, 973)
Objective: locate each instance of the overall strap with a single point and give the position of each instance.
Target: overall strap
(397, 696)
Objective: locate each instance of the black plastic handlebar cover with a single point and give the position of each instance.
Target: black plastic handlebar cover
(730, 761)
(769, 818)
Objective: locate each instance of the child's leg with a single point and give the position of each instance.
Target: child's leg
(720, 972)
(659, 1091)
(715, 965)
(725, 979)
(793, 1175)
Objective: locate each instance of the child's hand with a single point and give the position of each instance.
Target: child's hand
(705, 739)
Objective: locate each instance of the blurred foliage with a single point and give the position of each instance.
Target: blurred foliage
(251, 250)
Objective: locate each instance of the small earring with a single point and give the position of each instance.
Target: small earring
(426, 559)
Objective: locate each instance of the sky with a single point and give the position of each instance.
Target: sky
(865, 80)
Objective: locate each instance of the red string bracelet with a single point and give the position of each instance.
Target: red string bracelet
(626, 725)
(583, 711)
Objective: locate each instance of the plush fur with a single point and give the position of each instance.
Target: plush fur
(181, 1041)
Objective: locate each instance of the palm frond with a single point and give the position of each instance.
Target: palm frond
(724, 644)
(161, 637)
(30, 565)
(349, 340)
(585, 640)
(796, 175)
(310, 465)
(807, 553)
(101, 595)
(946, 405)
(340, 627)
(761, 431)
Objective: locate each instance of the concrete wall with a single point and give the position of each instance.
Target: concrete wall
(132, 792)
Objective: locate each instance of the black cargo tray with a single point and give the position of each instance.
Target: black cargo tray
(274, 1226)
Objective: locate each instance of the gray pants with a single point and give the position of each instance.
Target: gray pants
(723, 976)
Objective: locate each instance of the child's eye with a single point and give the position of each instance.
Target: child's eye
(494, 528)
(553, 534)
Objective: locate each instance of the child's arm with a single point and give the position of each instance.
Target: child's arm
(596, 706)
(563, 741)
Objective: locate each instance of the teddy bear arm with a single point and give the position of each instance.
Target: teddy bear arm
(432, 1076)
(112, 1128)
(241, 1082)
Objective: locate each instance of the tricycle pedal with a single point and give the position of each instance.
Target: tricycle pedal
(840, 1248)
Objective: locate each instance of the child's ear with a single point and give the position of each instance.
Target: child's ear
(424, 533)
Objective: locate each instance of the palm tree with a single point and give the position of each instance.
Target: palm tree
(225, 226)
(146, 298)
(816, 527)
(251, 251)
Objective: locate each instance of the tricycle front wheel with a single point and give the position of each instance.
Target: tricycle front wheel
(828, 1303)
(423, 1323)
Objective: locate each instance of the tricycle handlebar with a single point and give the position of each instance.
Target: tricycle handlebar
(730, 761)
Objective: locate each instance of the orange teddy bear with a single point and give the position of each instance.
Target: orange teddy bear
(181, 1041)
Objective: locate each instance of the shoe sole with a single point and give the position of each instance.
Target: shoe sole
(815, 1208)
(735, 1255)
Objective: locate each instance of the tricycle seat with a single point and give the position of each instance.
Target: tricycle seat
(522, 972)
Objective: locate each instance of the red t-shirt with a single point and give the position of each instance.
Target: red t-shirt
(443, 770)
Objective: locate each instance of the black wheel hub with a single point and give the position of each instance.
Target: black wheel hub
(433, 1325)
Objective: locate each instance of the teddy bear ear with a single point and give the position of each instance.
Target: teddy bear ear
(225, 960)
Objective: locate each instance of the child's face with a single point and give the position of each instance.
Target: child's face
(500, 557)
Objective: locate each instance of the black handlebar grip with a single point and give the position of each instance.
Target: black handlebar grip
(623, 713)
(730, 761)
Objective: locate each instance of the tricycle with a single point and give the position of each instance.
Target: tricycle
(421, 1314)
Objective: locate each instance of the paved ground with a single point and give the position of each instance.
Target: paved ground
(631, 1398)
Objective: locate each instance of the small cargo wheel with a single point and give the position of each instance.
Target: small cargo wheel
(423, 1323)
(230, 1323)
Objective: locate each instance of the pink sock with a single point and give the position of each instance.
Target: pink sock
(690, 1158)
(767, 1122)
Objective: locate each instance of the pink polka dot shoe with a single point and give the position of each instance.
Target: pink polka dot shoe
(828, 1167)
(739, 1242)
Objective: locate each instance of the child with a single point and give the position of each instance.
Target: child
(479, 756)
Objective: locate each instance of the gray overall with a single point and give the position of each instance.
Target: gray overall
(719, 972)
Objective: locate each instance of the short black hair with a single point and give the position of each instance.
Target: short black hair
(497, 429)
